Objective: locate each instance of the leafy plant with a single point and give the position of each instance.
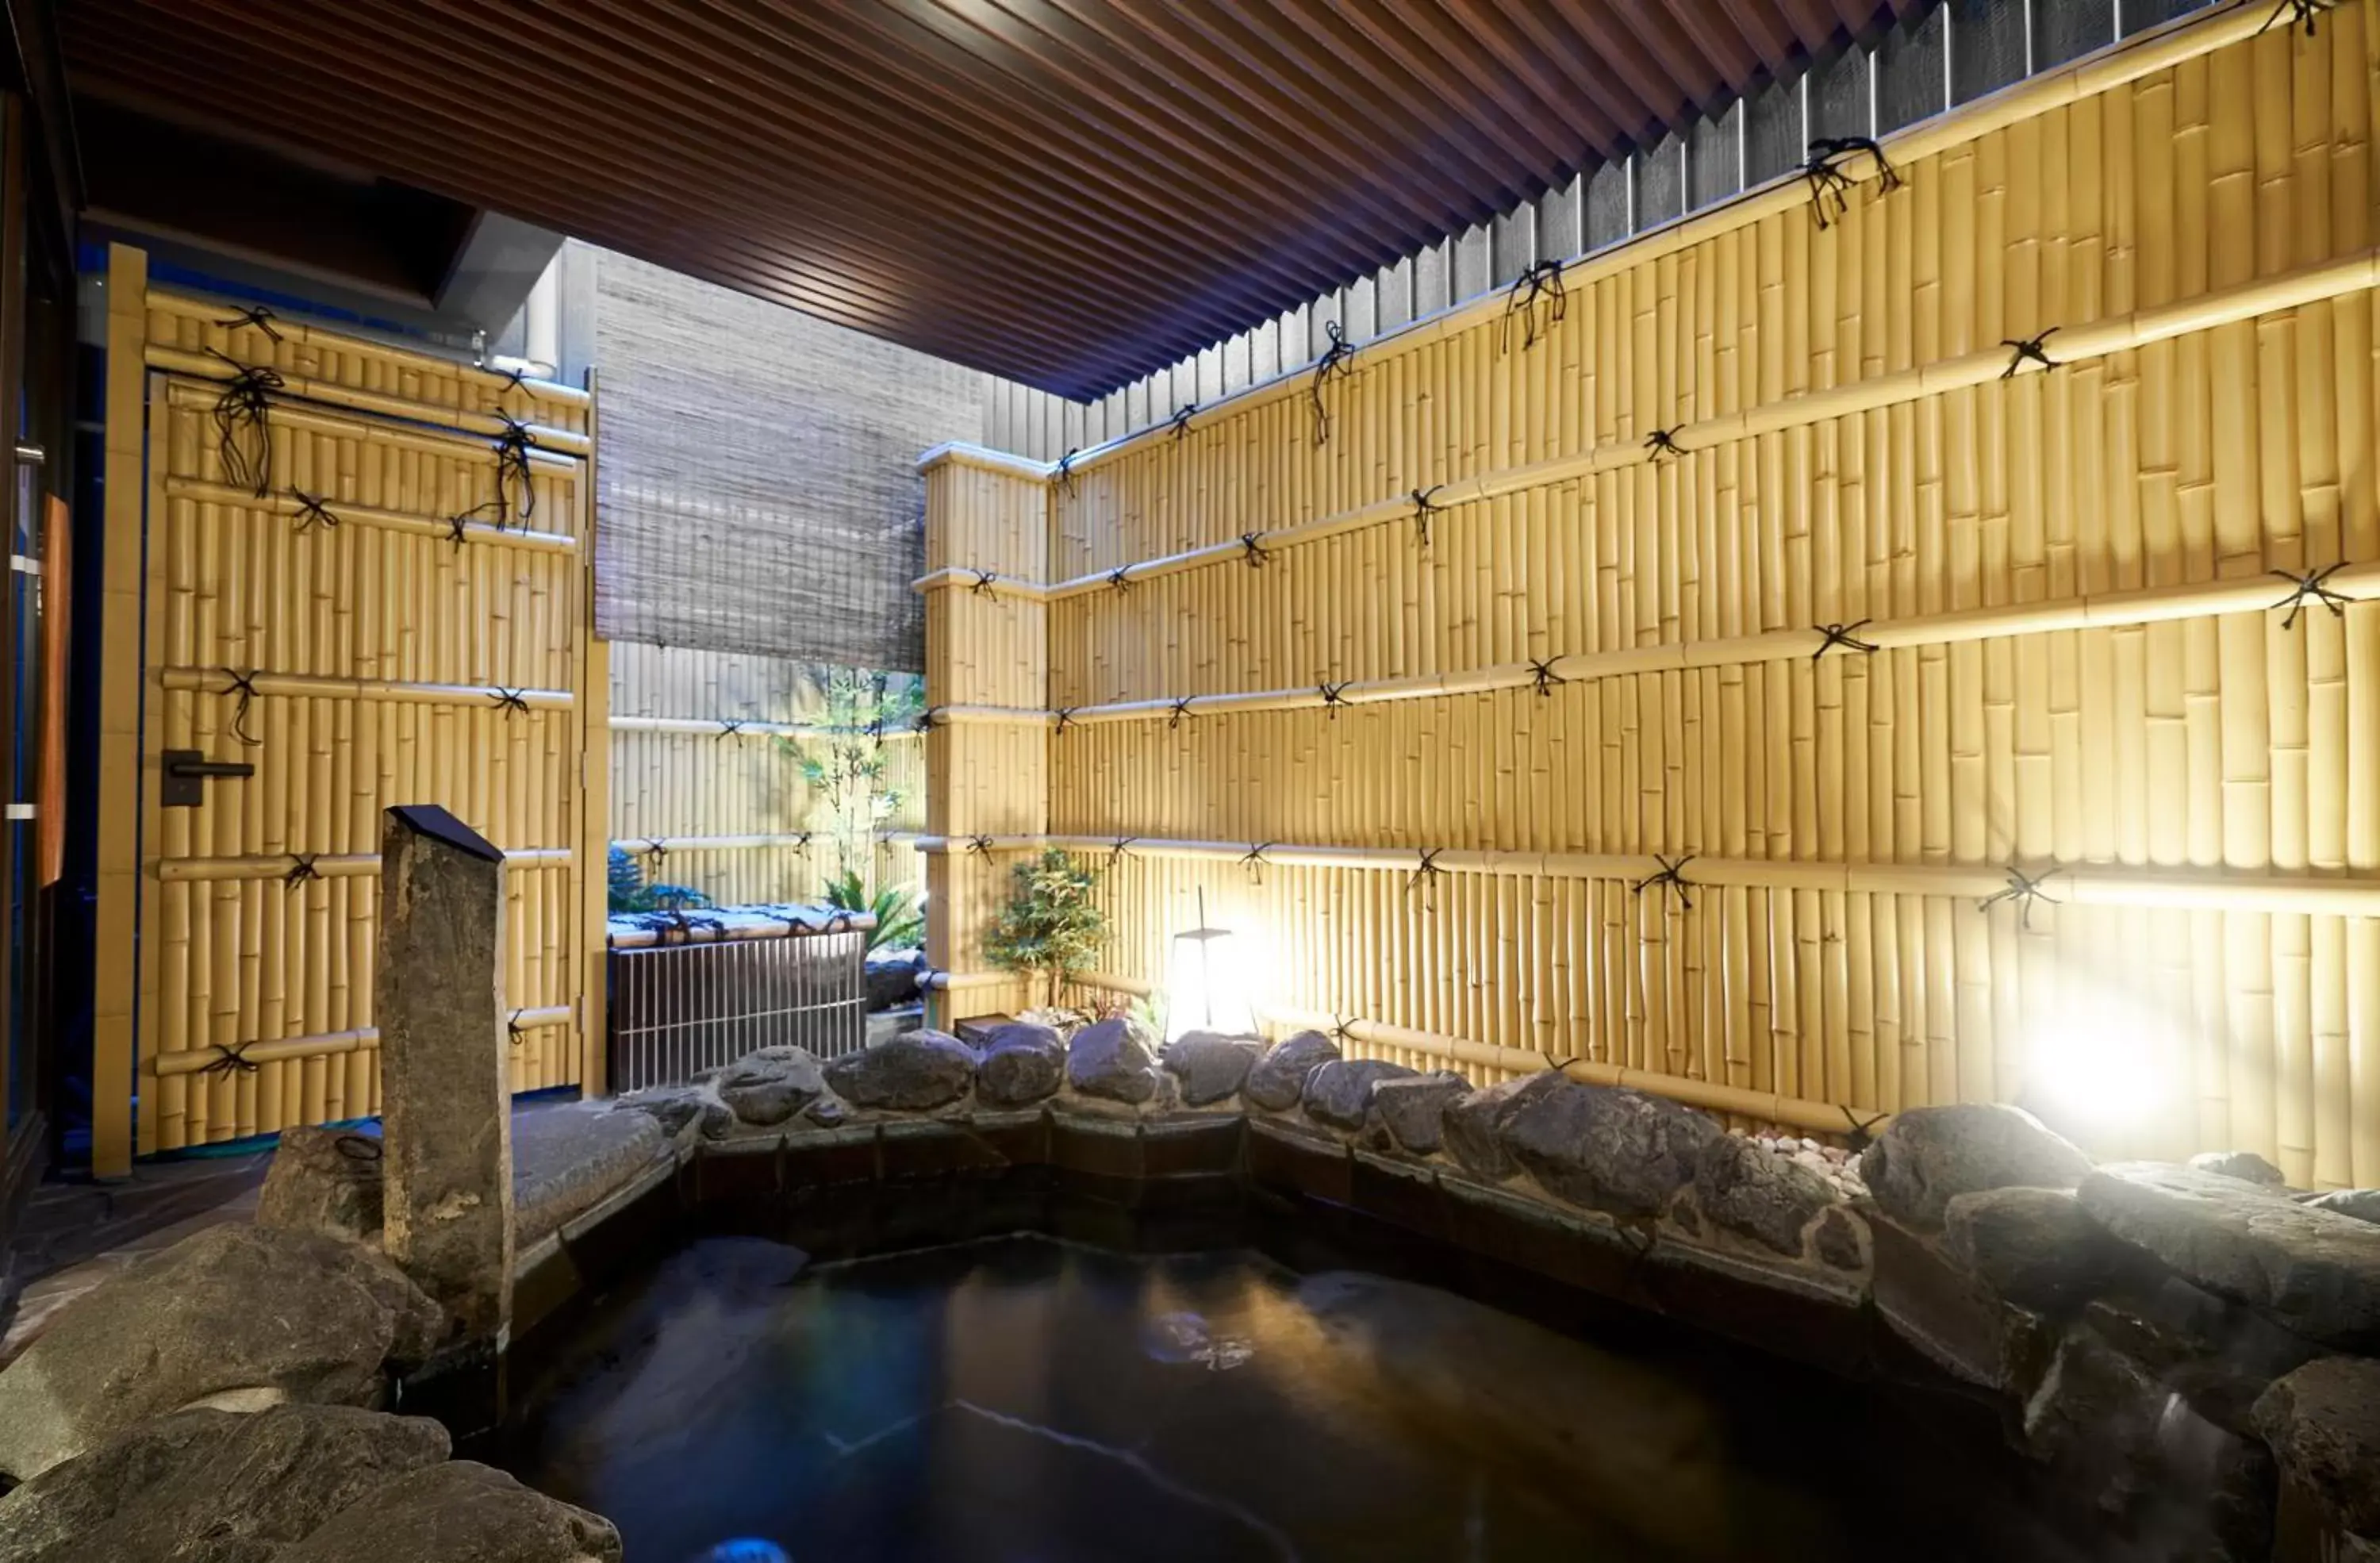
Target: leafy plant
(845, 767)
(899, 922)
(630, 892)
(1050, 925)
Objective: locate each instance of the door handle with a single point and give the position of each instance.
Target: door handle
(188, 772)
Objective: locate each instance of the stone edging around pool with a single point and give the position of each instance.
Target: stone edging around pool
(2107, 1309)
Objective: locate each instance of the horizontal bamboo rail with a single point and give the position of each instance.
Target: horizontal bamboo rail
(726, 844)
(324, 866)
(726, 727)
(2148, 605)
(199, 492)
(213, 312)
(2143, 54)
(202, 393)
(363, 1039)
(1768, 1107)
(214, 681)
(200, 366)
(2309, 285)
(2080, 884)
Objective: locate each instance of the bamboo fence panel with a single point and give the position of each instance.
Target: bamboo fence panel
(378, 651)
(2065, 572)
(728, 804)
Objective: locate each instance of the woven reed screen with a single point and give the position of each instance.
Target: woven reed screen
(717, 776)
(2191, 220)
(394, 619)
(757, 489)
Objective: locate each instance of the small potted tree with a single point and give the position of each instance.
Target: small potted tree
(1050, 927)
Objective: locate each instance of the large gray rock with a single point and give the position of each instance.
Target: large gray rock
(458, 1512)
(211, 1486)
(324, 1181)
(2034, 1247)
(2315, 1272)
(2218, 1355)
(1278, 1079)
(1473, 1125)
(2361, 1204)
(913, 1074)
(2246, 1166)
(1113, 1059)
(1212, 1066)
(1409, 1115)
(438, 998)
(568, 1158)
(1614, 1150)
(245, 1315)
(1927, 1156)
(1022, 1064)
(1340, 1093)
(1752, 1190)
(671, 1107)
(767, 1088)
(892, 975)
(2323, 1422)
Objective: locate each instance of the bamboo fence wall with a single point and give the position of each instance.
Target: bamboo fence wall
(421, 636)
(2065, 572)
(704, 762)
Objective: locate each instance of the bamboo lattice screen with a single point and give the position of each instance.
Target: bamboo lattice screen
(342, 589)
(705, 764)
(1608, 653)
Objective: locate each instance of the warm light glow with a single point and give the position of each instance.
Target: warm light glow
(2101, 1059)
(1207, 985)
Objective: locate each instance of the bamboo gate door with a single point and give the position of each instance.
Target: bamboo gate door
(362, 574)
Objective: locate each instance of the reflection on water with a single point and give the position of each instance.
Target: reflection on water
(1024, 1399)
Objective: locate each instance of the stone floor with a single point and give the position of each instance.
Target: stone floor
(76, 1234)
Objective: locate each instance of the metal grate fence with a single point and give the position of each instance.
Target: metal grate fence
(677, 1009)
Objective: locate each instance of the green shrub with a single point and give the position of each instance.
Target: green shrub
(1050, 925)
(899, 922)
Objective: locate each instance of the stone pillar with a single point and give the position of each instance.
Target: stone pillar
(445, 1100)
(986, 651)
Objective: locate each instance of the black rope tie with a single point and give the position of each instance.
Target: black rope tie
(1066, 471)
(1861, 1131)
(515, 379)
(928, 718)
(312, 510)
(1337, 361)
(1181, 710)
(2297, 11)
(1253, 860)
(458, 524)
(802, 842)
(1844, 636)
(230, 1058)
(1828, 171)
(509, 700)
(983, 579)
(244, 686)
(1424, 510)
(1426, 874)
(302, 869)
(1119, 852)
(263, 318)
(1333, 696)
(729, 728)
(244, 410)
(1541, 281)
(2310, 587)
(1671, 877)
(1252, 551)
(978, 847)
(513, 1027)
(1663, 441)
(2032, 348)
(1342, 1028)
(2024, 889)
(1182, 422)
(1066, 717)
(1543, 677)
(658, 850)
(1120, 577)
(512, 467)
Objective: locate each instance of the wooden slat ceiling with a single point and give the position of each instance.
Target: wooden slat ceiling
(1068, 192)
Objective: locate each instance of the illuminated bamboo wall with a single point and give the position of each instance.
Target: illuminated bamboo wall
(378, 616)
(2080, 673)
(705, 765)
